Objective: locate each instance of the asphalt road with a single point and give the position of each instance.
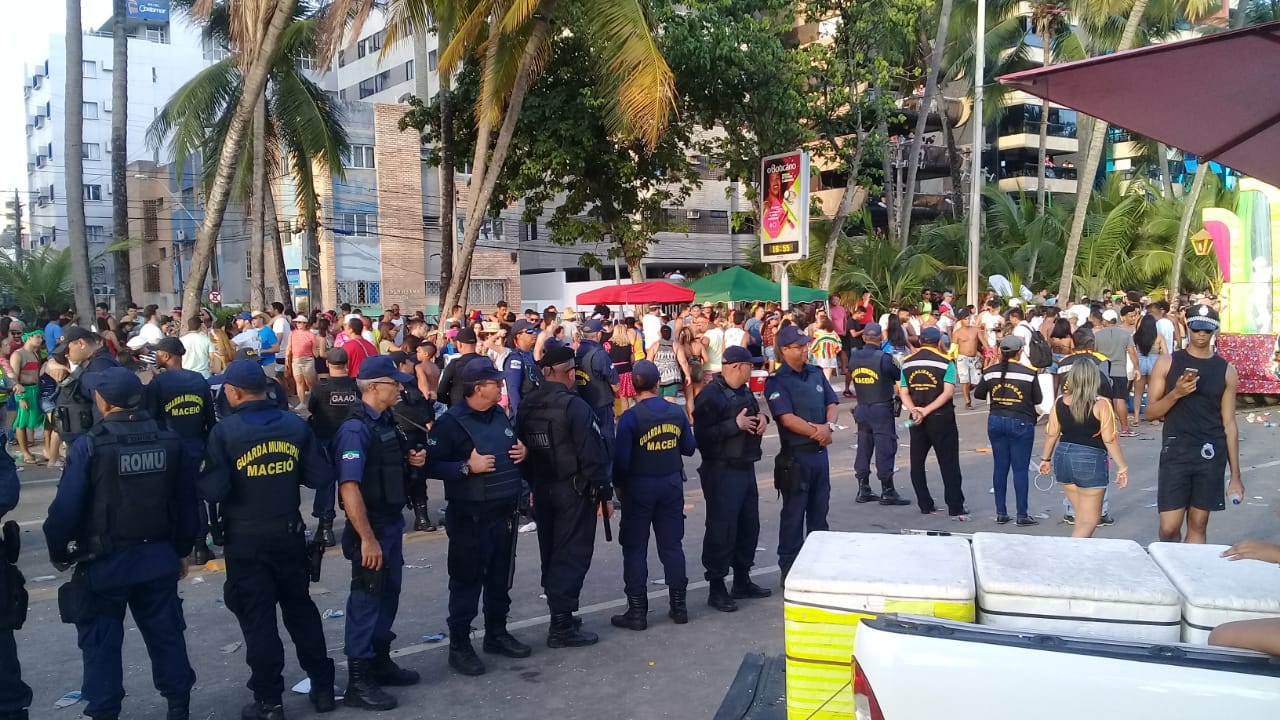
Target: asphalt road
(668, 671)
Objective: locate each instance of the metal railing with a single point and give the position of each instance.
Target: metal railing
(1032, 127)
(1032, 170)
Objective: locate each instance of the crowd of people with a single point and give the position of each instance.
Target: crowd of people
(177, 433)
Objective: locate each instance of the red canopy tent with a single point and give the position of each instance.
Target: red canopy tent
(1214, 96)
(654, 291)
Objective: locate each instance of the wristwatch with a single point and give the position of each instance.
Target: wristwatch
(466, 468)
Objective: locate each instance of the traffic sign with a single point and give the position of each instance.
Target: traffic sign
(215, 297)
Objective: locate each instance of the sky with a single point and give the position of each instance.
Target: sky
(25, 39)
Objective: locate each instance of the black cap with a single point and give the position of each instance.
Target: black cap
(399, 356)
(118, 386)
(246, 353)
(336, 356)
(480, 369)
(735, 354)
(556, 356)
(466, 335)
(75, 332)
(243, 373)
(171, 345)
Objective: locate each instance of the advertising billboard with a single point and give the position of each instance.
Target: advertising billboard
(784, 210)
(156, 10)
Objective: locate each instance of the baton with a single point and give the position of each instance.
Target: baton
(608, 525)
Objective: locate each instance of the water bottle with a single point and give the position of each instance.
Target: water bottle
(1235, 498)
(908, 424)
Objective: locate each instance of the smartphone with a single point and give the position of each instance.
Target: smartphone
(1191, 372)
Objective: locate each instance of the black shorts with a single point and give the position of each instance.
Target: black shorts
(1119, 389)
(1188, 479)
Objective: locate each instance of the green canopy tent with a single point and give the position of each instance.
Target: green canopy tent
(738, 284)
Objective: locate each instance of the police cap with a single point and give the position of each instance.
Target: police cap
(735, 354)
(873, 330)
(930, 335)
(171, 345)
(1203, 318)
(466, 335)
(246, 353)
(556, 356)
(645, 374)
(75, 332)
(480, 369)
(242, 373)
(791, 335)
(524, 326)
(118, 386)
(379, 367)
(336, 356)
(592, 326)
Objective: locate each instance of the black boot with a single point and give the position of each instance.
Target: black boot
(325, 531)
(497, 641)
(565, 633)
(422, 518)
(864, 492)
(321, 695)
(637, 615)
(362, 690)
(179, 708)
(889, 496)
(259, 710)
(679, 612)
(718, 597)
(385, 670)
(462, 657)
(202, 553)
(744, 589)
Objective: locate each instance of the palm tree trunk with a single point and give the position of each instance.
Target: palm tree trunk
(257, 208)
(1041, 171)
(1184, 225)
(1092, 158)
(74, 164)
(1166, 177)
(315, 294)
(255, 82)
(888, 168)
(926, 104)
(120, 152)
(478, 202)
(842, 212)
(281, 279)
(954, 161)
(448, 194)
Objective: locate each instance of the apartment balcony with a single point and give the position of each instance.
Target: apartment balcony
(1061, 138)
(1124, 144)
(829, 199)
(957, 110)
(1023, 178)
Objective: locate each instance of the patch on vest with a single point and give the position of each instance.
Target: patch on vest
(350, 454)
(540, 440)
(509, 433)
(184, 405)
(662, 437)
(342, 398)
(143, 461)
(775, 395)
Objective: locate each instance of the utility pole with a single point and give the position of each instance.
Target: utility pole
(975, 174)
(16, 204)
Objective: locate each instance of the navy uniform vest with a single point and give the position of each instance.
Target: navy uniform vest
(742, 448)
(413, 413)
(870, 387)
(133, 478)
(266, 465)
(807, 390)
(658, 434)
(495, 437)
(591, 386)
(335, 396)
(545, 432)
(383, 483)
(925, 372)
(182, 396)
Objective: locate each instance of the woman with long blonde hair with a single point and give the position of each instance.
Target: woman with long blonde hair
(1082, 430)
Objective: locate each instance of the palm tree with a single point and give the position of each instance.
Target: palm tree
(922, 117)
(1046, 19)
(516, 36)
(39, 279)
(1023, 228)
(257, 29)
(73, 190)
(120, 150)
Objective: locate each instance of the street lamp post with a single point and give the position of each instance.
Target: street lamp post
(975, 173)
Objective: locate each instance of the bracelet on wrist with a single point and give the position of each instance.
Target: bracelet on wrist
(1048, 460)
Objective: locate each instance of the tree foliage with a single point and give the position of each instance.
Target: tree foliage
(40, 279)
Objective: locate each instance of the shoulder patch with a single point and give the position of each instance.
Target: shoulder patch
(350, 454)
(515, 364)
(775, 395)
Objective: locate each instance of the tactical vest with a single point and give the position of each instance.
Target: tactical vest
(925, 372)
(181, 403)
(74, 413)
(742, 448)
(335, 398)
(544, 431)
(413, 413)
(658, 434)
(495, 438)
(870, 387)
(383, 483)
(133, 476)
(591, 386)
(530, 377)
(266, 471)
(808, 401)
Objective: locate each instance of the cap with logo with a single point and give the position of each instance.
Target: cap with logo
(246, 353)
(931, 335)
(1202, 318)
(379, 367)
(791, 335)
(118, 386)
(245, 374)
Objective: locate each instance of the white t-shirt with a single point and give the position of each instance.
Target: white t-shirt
(945, 325)
(1023, 330)
(196, 357)
(151, 333)
(651, 326)
(1164, 326)
(280, 326)
(990, 323)
(248, 338)
(715, 349)
(733, 336)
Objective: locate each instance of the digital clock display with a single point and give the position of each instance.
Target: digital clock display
(779, 248)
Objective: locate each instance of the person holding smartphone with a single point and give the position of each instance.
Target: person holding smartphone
(1194, 391)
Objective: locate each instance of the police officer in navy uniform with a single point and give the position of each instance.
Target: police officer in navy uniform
(74, 409)
(728, 424)
(570, 472)
(875, 379)
(331, 401)
(648, 471)
(15, 695)
(130, 553)
(596, 379)
(474, 450)
(258, 456)
(371, 455)
(519, 369)
(275, 391)
(449, 391)
(928, 385)
(804, 406)
(414, 414)
(180, 400)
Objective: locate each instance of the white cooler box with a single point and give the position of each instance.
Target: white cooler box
(1088, 587)
(840, 578)
(1216, 590)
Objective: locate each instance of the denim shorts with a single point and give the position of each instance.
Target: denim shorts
(1147, 363)
(1080, 465)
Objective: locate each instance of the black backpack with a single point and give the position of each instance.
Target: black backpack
(1038, 351)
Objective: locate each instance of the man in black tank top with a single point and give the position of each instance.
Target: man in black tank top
(1194, 391)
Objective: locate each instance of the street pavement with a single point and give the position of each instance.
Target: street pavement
(668, 671)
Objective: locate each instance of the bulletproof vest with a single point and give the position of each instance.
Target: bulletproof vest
(808, 400)
(495, 438)
(265, 471)
(742, 448)
(182, 395)
(657, 448)
(73, 411)
(384, 466)
(591, 386)
(925, 372)
(870, 387)
(545, 432)
(133, 477)
(413, 413)
(334, 399)
(530, 378)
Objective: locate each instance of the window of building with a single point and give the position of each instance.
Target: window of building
(408, 70)
(358, 156)
(248, 264)
(89, 110)
(362, 48)
(382, 81)
(359, 292)
(164, 253)
(151, 220)
(91, 151)
(92, 192)
(342, 58)
(306, 62)
(90, 68)
(366, 88)
(95, 233)
(358, 224)
(433, 59)
(53, 192)
(485, 293)
(151, 278)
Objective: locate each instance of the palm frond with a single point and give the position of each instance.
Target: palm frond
(643, 96)
(184, 120)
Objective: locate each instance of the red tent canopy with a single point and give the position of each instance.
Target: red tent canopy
(1215, 96)
(654, 291)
